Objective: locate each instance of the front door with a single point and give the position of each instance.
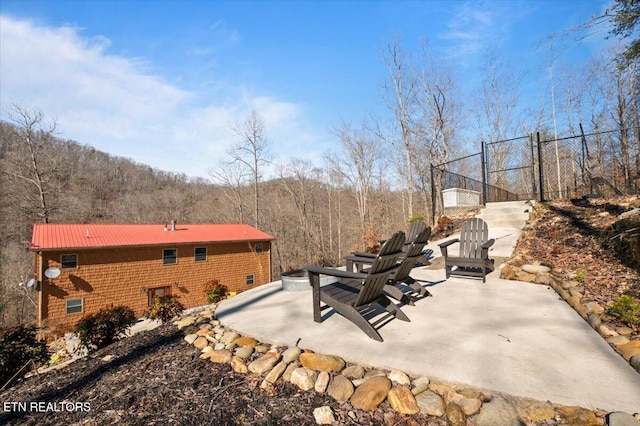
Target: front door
(154, 293)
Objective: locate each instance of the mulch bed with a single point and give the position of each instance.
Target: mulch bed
(156, 378)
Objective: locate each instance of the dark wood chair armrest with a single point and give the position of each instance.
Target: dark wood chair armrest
(485, 248)
(356, 263)
(446, 244)
(317, 270)
(363, 254)
(488, 244)
(360, 259)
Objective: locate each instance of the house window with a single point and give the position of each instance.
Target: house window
(169, 256)
(69, 261)
(74, 306)
(154, 293)
(201, 254)
(250, 279)
(259, 248)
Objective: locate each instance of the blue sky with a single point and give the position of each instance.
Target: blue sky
(161, 82)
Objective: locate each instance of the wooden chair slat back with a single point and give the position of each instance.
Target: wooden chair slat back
(413, 252)
(414, 230)
(473, 235)
(382, 266)
(388, 254)
(416, 246)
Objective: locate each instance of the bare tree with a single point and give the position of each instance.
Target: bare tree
(27, 193)
(613, 94)
(634, 90)
(400, 95)
(232, 176)
(496, 111)
(299, 179)
(252, 150)
(357, 165)
(27, 161)
(334, 186)
(439, 106)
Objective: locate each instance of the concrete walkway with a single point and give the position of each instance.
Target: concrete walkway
(505, 336)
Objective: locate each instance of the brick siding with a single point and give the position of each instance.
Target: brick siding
(116, 276)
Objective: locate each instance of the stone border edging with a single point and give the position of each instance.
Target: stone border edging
(366, 389)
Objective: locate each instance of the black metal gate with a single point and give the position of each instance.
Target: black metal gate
(510, 169)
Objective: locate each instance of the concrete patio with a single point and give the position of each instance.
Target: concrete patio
(505, 336)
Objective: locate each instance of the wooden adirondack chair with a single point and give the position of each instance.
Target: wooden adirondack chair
(355, 292)
(415, 228)
(473, 260)
(411, 253)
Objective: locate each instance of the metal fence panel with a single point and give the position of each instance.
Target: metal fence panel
(602, 162)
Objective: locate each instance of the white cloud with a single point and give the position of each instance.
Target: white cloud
(469, 29)
(116, 104)
(477, 25)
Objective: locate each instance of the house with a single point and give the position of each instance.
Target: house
(81, 268)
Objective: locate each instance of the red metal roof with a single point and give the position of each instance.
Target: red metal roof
(52, 236)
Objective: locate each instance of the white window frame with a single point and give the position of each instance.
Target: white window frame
(250, 279)
(62, 262)
(195, 255)
(164, 257)
(259, 248)
(81, 306)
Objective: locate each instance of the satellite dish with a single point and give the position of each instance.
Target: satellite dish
(52, 273)
(31, 283)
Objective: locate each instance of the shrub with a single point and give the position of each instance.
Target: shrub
(625, 308)
(416, 218)
(165, 308)
(216, 291)
(19, 345)
(555, 250)
(445, 223)
(371, 239)
(104, 327)
(580, 276)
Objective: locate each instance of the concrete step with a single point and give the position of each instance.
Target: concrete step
(505, 216)
(498, 218)
(514, 209)
(508, 204)
(518, 226)
(500, 213)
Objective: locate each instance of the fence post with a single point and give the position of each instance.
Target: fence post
(540, 173)
(533, 169)
(433, 196)
(484, 174)
(586, 162)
